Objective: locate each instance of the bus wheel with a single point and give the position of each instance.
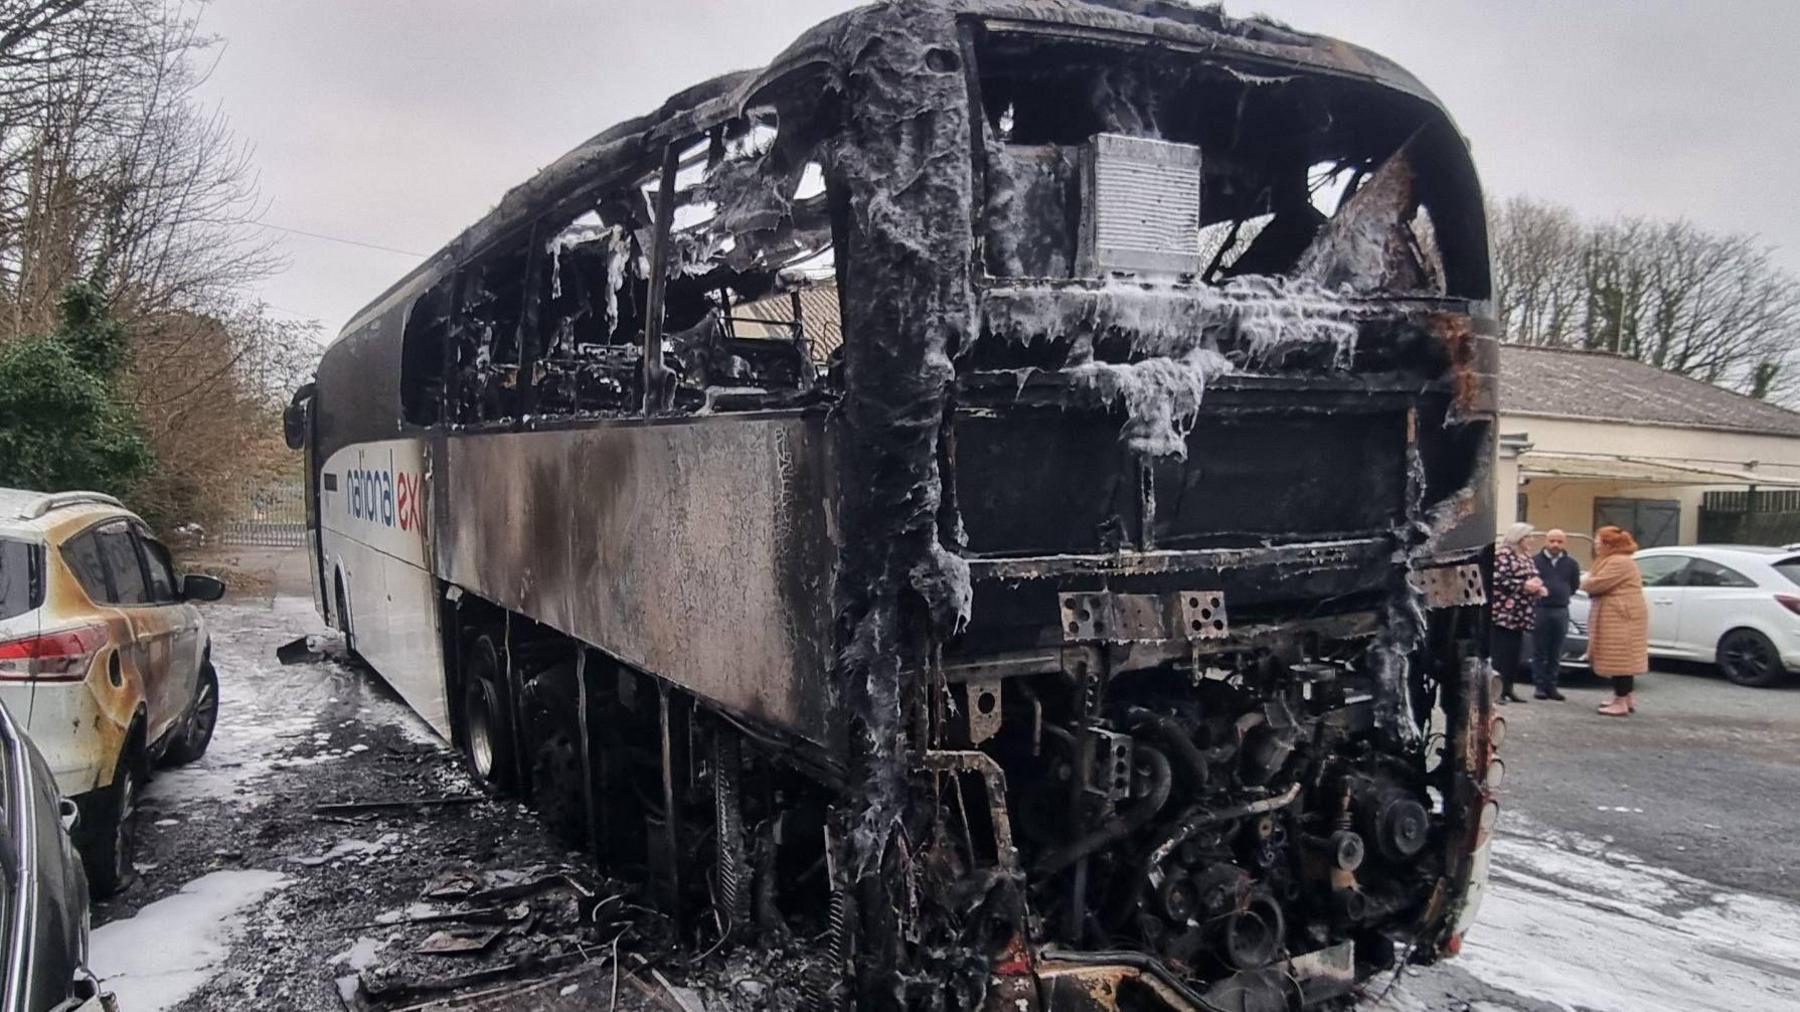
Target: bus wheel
(343, 614)
(487, 727)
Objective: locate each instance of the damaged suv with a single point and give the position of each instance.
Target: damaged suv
(104, 660)
(1001, 489)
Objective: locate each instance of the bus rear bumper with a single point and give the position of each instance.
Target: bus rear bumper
(1063, 981)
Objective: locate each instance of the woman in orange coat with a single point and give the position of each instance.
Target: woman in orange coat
(1618, 618)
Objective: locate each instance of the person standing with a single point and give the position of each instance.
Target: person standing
(1512, 606)
(1550, 628)
(1618, 620)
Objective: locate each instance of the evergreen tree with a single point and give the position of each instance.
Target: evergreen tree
(63, 423)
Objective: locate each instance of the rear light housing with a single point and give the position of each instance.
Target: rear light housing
(60, 655)
(1789, 601)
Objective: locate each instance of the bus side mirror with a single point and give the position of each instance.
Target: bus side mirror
(293, 420)
(200, 587)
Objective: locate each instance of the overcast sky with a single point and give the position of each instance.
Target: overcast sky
(398, 122)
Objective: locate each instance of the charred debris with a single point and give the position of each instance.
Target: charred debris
(1151, 345)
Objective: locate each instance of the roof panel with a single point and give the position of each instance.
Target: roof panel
(1605, 387)
(1611, 467)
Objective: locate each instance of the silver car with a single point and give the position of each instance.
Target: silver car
(44, 938)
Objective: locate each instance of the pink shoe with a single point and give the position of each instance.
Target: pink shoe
(1619, 707)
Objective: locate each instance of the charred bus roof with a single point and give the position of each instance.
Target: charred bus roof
(1256, 45)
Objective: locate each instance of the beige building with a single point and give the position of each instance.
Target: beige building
(1588, 439)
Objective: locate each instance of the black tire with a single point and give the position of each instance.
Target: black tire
(202, 718)
(1746, 657)
(487, 717)
(343, 614)
(111, 844)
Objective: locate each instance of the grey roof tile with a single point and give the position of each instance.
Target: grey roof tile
(1597, 385)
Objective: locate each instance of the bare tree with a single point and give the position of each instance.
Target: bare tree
(1708, 305)
(1536, 286)
(125, 181)
(112, 174)
(209, 391)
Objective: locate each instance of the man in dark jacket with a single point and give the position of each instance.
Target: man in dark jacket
(1562, 577)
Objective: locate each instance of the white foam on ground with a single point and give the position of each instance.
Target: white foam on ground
(349, 848)
(268, 710)
(361, 954)
(154, 960)
(265, 709)
(1577, 924)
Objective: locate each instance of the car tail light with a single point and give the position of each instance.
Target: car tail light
(59, 656)
(1790, 602)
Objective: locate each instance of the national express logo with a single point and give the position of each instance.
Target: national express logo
(382, 496)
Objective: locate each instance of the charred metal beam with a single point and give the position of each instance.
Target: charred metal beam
(671, 816)
(1320, 554)
(655, 373)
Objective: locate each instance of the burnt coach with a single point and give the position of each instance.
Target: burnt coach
(1001, 488)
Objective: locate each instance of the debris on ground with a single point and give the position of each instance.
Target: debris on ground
(365, 807)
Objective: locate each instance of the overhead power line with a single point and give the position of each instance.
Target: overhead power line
(339, 239)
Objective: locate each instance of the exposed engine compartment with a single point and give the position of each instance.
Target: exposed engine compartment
(1225, 818)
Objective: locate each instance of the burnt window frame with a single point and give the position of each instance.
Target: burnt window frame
(109, 590)
(805, 119)
(69, 550)
(150, 553)
(642, 214)
(1448, 194)
(506, 402)
(425, 396)
(123, 529)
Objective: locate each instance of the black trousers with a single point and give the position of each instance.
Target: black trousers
(1548, 634)
(1624, 685)
(1506, 648)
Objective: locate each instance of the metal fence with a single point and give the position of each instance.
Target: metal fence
(266, 516)
(1750, 518)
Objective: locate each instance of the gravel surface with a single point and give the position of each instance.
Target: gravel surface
(248, 898)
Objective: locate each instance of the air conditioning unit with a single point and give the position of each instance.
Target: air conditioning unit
(1140, 208)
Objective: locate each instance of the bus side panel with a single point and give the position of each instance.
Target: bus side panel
(697, 549)
(372, 516)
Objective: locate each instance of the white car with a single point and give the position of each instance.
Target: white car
(1737, 606)
(104, 659)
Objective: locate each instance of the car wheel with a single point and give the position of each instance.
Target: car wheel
(1748, 658)
(203, 716)
(112, 845)
(487, 727)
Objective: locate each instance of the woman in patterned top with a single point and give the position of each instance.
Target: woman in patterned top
(1512, 605)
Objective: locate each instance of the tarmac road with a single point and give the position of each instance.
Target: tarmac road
(1643, 865)
(1715, 767)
